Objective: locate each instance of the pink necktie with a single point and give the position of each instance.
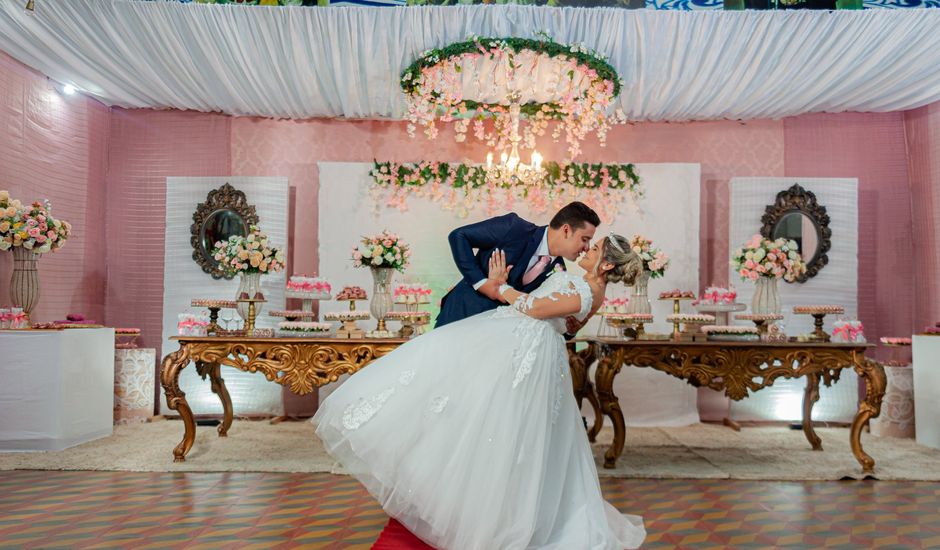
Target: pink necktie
(535, 270)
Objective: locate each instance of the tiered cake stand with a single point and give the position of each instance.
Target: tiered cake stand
(348, 318)
(306, 298)
(630, 325)
(761, 321)
(720, 311)
(819, 314)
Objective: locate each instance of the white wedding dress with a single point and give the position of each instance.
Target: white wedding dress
(470, 436)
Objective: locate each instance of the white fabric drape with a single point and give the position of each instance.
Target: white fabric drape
(299, 62)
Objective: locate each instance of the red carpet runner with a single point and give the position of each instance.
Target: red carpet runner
(396, 537)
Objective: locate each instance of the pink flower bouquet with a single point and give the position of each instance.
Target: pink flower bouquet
(250, 254)
(654, 260)
(383, 250)
(761, 257)
(30, 226)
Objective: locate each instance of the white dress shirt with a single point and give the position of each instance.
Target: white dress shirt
(542, 250)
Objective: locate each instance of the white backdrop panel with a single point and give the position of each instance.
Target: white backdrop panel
(836, 283)
(183, 280)
(670, 216)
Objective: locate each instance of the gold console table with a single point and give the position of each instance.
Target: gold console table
(302, 364)
(736, 368)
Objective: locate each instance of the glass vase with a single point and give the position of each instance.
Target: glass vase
(381, 302)
(639, 299)
(766, 298)
(250, 285)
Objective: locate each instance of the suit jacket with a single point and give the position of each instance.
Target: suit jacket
(518, 238)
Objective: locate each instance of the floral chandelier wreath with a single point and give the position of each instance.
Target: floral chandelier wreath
(463, 188)
(470, 82)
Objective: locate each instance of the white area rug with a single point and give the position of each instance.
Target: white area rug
(699, 451)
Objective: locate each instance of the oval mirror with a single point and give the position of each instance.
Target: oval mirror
(219, 226)
(799, 227)
(225, 213)
(797, 215)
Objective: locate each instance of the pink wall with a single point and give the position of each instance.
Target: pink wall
(923, 142)
(871, 147)
(147, 147)
(292, 149)
(55, 147)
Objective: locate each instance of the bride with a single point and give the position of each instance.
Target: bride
(470, 436)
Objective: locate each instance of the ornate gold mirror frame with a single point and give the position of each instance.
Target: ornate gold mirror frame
(225, 212)
(798, 205)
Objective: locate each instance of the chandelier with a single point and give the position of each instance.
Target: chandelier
(511, 170)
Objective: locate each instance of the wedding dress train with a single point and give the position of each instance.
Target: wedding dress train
(470, 436)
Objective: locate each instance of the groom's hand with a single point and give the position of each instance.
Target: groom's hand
(572, 325)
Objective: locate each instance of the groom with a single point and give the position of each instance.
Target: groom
(532, 251)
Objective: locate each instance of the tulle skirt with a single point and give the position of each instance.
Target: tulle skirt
(470, 437)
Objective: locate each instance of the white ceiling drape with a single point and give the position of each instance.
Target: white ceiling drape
(294, 62)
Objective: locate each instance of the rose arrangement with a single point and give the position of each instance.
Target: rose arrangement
(252, 253)
(760, 257)
(654, 260)
(383, 250)
(30, 226)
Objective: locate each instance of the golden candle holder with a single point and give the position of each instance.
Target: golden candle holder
(250, 320)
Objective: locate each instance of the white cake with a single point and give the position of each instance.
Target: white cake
(308, 288)
(717, 295)
(415, 293)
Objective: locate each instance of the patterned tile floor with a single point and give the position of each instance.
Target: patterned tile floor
(238, 510)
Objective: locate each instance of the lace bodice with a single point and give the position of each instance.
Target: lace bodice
(559, 284)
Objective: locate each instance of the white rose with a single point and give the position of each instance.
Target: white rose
(389, 257)
(759, 254)
(365, 251)
(793, 246)
(4, 245)
(377, 260)
(793, 255)
(44, 248)
(749, 255)
(28, 245)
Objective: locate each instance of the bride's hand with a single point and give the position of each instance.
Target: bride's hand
(499, 271)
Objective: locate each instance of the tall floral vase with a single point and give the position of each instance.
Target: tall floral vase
(24, 285)
(250, 285)
(766, 298)
(381, 293)
(639, 300)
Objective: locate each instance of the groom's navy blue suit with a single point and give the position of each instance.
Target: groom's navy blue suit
(518, 238)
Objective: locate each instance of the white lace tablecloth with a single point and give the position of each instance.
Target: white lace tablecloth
(897, 409)
(134, 373)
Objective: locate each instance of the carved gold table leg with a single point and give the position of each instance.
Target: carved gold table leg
(875, 382)
(218, 387)
(579, 363)
(173, 363)
(810, 397)
(608, 367)
(214, 372)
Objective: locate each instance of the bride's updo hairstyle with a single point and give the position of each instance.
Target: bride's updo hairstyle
(627, 263)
